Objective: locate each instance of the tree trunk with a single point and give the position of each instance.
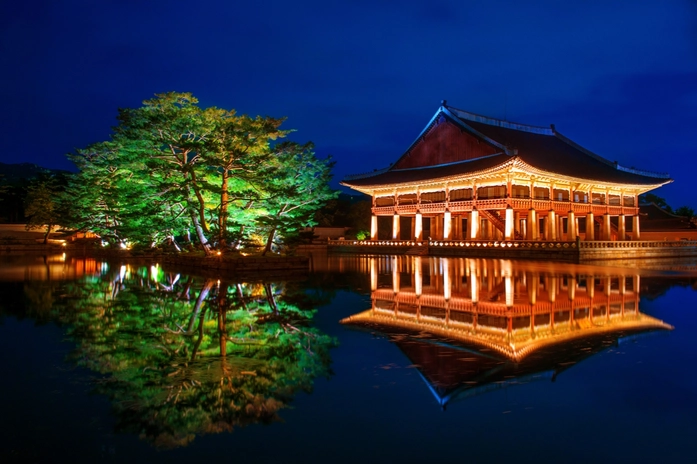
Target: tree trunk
(222, 216)
(201, 202)
(48, 232)
(269, 242)
(201, 235)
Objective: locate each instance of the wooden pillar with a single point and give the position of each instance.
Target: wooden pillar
(551, 225)
(590, 227)
(571, 226)
(447, 226)
(373, 227)
(474, 225)
(635, 228)
(510, 226)
(395, 227)
(607, 235)
(532, 224)
(621, 230)
(560, 228)
(418, 227)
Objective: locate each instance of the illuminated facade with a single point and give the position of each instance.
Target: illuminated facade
(472, 177)
(500, 312)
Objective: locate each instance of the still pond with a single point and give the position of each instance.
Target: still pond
(366, 359)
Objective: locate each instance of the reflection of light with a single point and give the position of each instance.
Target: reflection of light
(218, 253)
(63, 257)
(122, 272)
(153, 272)
(417, 276)
(373, 274)
(509, 291)
(447, 283)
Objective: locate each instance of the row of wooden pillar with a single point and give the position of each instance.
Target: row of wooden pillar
(527, 227)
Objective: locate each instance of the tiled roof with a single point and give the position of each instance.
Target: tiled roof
(394, 176)
(540, 147)
(656, 219)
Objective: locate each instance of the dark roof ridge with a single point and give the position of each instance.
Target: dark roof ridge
(614, 164)
(447, 164)
(499, 122)
(582, 149)
(663, 210)
(364, 175)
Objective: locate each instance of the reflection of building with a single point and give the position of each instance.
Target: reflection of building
(52, 267)
(472, 177)
(494, 319)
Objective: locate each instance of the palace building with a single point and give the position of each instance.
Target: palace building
(470, 177)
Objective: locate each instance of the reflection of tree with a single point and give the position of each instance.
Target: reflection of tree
(188, 356)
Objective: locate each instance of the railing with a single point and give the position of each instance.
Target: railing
(456, 243)
(514, 244)
(518, 244)
(502, 203)
(637, 244)
(403, 243)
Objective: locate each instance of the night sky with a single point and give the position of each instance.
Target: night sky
(361, 78)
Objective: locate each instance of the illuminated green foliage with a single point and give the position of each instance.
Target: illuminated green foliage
(173, 170)
(183, 356)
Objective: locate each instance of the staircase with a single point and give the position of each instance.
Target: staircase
(495, 218)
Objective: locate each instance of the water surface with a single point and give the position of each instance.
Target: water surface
(365, 360)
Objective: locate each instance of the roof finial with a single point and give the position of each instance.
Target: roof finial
(443, 102)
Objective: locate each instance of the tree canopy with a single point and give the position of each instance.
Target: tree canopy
(174, 171)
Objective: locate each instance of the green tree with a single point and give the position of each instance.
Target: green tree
(43, 204)
(235, 150)
(165, 139)
(172, 168)
(648, 198)
(685, 211)
(297, 184)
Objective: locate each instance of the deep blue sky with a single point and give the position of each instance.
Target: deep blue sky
(361, 78)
